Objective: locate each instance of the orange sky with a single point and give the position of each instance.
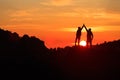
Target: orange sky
(56, 21)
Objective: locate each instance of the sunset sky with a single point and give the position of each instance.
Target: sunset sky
(56, 21)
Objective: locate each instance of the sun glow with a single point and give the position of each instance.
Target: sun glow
(82, 43)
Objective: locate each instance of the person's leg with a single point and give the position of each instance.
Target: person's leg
(75, 41)
(78, 41)
(90, 43)
(87, 42)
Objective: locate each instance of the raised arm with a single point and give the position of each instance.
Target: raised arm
(85, 27)
(82, 27)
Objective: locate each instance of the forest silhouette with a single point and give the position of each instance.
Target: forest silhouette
(29, 57)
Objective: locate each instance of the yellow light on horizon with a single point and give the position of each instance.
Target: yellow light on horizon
(82, 43)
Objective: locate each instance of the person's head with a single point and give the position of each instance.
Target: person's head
(79, 27)
(89, 29)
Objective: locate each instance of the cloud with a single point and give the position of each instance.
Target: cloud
(65, 11)
(61, 2)
(94, 29)
(56, 2)
(23, 14)
(20, 13)
(112, 6)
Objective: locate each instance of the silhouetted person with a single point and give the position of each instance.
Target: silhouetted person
(78, 35)
(89, 36)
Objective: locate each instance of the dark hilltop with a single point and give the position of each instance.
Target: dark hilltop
(29, 57)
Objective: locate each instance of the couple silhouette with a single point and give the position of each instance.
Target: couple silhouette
(89, 35)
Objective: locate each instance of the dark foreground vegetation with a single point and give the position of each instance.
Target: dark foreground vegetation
(28, 57)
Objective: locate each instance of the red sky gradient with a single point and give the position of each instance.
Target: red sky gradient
(56, 21)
